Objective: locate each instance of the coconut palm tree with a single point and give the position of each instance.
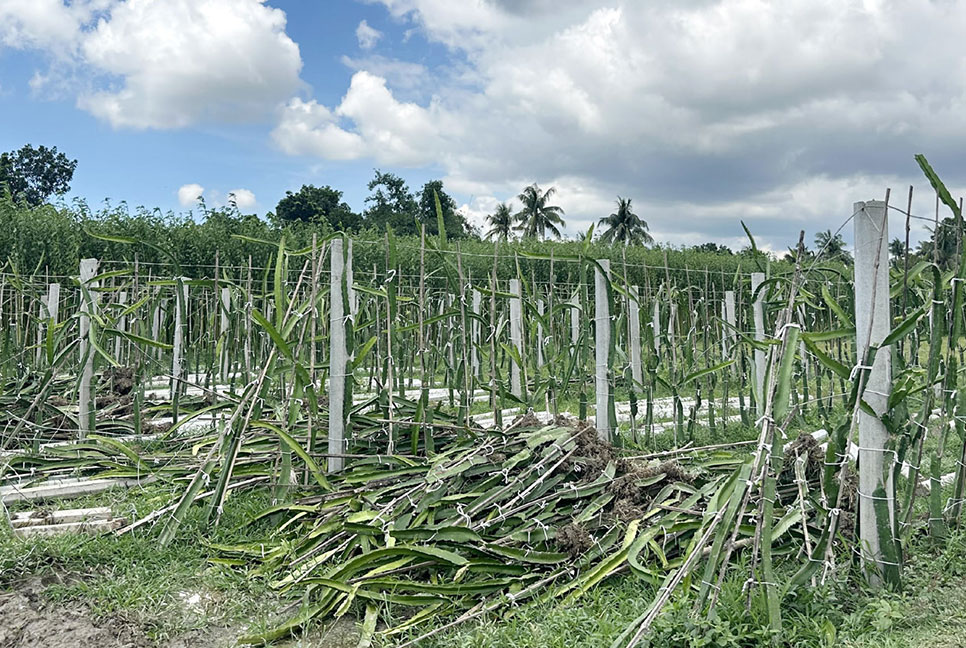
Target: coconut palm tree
(897, 249)
(831, 247)
(501, 223)
(624, 226)
(537, 217)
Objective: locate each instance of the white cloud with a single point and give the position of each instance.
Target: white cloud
(703, 112)
(401, 75)
(309, 128)
(189, 194)
(386, 129)
(367, 36)
(145, 64)
(477, 210)
(244, 198)
(46, 24)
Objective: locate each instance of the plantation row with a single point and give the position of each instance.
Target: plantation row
(50, 239)
(517, 343)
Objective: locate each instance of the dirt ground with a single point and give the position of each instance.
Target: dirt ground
(29, 620)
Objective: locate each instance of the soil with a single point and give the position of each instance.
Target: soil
(631, 499)
(114, 405)
(157, 428)
(29, 620)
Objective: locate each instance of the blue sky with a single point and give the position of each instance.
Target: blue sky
(704, 113)
(147, 167)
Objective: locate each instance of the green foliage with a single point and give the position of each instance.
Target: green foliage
(391, 204)
(501, 223)
(713, 248)
(831, 247)
(55, 239)
(454, 222)
(32, 175)
(537, 216)
(624, 226)
(312, 204)
(942, 246)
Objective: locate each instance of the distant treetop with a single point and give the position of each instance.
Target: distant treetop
(33, 175)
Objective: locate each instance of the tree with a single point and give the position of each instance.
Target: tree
(831, 247)
(624, 226)
(501, 223)
(454, 222)
(32, 175)
(942, 246)
(312, 204)
(391, 204)
(792, 255)
(537, 216)
(897, 248)
(713, 248)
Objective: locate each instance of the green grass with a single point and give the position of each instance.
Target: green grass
(133, 578)
(167, 590)
(931, 611)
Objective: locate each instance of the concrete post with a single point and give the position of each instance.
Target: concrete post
(540, 334)
(602, 349)
(872, 324)
(731, 334)
(634, 330)
(337, 358)
(177, 356)
(121, 325)
(223, 333)
(516, 336)
(758, 311)
(88, 269)
(476, 301)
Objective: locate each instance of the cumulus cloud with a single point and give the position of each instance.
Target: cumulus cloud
(389, 130)
(367, 36)
(703, 112)
(46, 24)
(140, 64)
(244, 198)
(189, 194)
(401, 75)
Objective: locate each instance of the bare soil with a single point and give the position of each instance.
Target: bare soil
(28, 619)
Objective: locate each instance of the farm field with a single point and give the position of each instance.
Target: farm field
(482, 324)
(535, 446)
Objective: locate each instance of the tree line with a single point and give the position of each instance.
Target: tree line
(33, 175)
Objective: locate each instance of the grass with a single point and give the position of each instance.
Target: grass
(931, 611)
(167, 590)
(131, 577)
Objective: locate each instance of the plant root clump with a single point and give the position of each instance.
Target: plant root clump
(593, 453)
(528, 420)
(625, 510)
(804, 446)
(574, 539)
(120, 379)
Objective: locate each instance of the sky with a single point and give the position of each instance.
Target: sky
(705, 113)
